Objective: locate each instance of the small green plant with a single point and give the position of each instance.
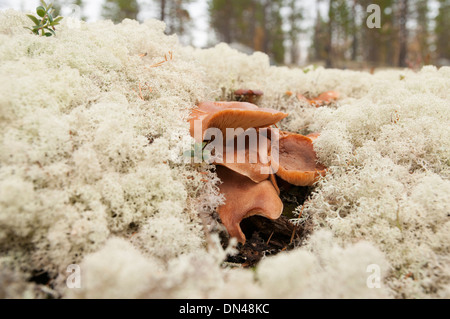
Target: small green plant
(198, 152)
(45, 24)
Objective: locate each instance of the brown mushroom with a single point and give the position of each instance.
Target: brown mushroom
(328, 96)
(302, 98)
(322, 99)
(223, 115)
(245, 95)
(297, 160)
(245, 198)
(313, 136)
(273, 179)
(256, 164)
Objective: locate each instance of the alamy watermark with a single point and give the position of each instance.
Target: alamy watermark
(374, 279)
(74, 278)
(374, 19)
(233, 148)
(72, 14)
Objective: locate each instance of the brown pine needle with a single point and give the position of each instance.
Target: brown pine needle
(295, 226)
(162, 62)
(140, 96)
(156, 64)
(270, 237)
(149, 88)
(293, 233)
(133, 234)
(140, 91)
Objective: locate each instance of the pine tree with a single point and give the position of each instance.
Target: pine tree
(294, 18)
(380, 44)
(256, 24)
(403, 32)
(118, 10)
(329, 37)
(222, 19)
(442, 31)
(274, 31)
(175, 15)
(354, 30)
(422, 34)
(317, 51)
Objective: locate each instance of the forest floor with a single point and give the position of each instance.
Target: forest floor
(93, 128)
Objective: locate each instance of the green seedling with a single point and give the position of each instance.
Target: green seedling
(45, 22)
(198, 152)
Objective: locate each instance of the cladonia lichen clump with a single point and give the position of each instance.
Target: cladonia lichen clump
(90, 170)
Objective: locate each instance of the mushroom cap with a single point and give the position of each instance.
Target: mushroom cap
(223, 115)
(297, 160)
(322, 99)
(248, 92)
(288, 93)
(328, 96)
(258, 170)
(302, 98)
(313, 136)
(325, 98)
(245, 198)
(274, 182)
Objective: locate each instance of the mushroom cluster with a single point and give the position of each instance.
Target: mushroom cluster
(250, 187)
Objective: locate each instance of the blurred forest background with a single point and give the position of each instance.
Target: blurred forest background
(412, 33)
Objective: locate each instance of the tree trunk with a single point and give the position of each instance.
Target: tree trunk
(265, 7)
(163, 10)
(403, 34)
(355, 33)
(329, 45)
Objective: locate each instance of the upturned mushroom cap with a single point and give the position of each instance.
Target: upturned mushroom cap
(313, 136)
(223, 115)
(322, 99)
(256, 165)
(247, 95)
(245, 198)
(325, 98)
(248, 92)
(297, 160)
(274, 182)
(302, 98)
(328, 96)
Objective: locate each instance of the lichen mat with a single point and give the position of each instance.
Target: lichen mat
(94, 120)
